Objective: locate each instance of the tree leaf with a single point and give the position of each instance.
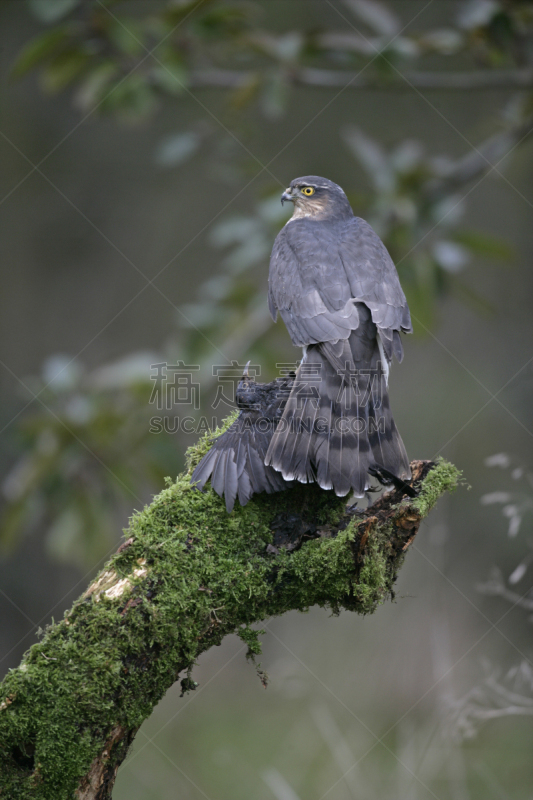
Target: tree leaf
(246, 93)
(470, 297)
(377, 16)
(175, 149)
(178, 11)
(371, 157)
(170, 75)
(63, 69)
(477, 13)
(451, 256)
(132, 98)
(484, 244)
(51, 10)
(275, 96)
(127, 36)
(92, 89)
(40, 49)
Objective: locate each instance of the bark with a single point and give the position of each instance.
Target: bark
(187, 575)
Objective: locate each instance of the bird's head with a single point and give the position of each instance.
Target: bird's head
(316, 197)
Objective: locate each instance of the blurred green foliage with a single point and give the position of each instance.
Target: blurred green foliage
(87, 457)
(87, 452)
(121, 61)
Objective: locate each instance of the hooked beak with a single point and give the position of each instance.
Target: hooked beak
(287, 196)
(247, 379)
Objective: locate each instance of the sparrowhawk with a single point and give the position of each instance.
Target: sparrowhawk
(337, 290)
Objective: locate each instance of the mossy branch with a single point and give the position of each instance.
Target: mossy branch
(186, 576)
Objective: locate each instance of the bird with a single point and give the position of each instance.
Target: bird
(336, 288)
(235, 464)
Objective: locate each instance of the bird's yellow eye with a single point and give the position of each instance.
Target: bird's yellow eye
(308, 190)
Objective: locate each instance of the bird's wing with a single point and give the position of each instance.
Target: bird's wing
(235, 462)
(318, 270)
(374, 281)
(308, 284)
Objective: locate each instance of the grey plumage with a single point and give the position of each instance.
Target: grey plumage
(337, 290)
(236, 461)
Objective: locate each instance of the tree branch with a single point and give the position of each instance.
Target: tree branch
(330, 78)
(188, 575)
(484, 158)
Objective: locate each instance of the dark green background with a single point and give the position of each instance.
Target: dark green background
(337, 684)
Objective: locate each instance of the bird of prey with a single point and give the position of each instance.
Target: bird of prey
(236, 461)
(337, 290)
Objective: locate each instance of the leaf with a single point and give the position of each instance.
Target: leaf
(14, 520)
(450, 255)
(232, 229)
(132, 370)
(219, 22)
(371, 156)
(518, 573)
(376, 15)
(127, 36)
(177, 11)
(498, 460)
(171, 75)
(63, 69)
(51, 10)
(469, 296)
(400, 48)
(61, 370)
(65, 534)
(407, 156)
(495, 497)
(246, 93)
(91, 90)
(288, 46)
(484, 244)
(175, 149)
(477, 13)
(442, 40)
(39, 49)
(132, 98)
(514, 525)
(275, 96)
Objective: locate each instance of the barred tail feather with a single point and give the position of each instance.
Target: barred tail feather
(302, 468)
(385, 440)
(337, 429)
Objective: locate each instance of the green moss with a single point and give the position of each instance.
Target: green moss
(444, 477)
(196, 452)
(376, 576)
(250, 637)
(191, 574)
